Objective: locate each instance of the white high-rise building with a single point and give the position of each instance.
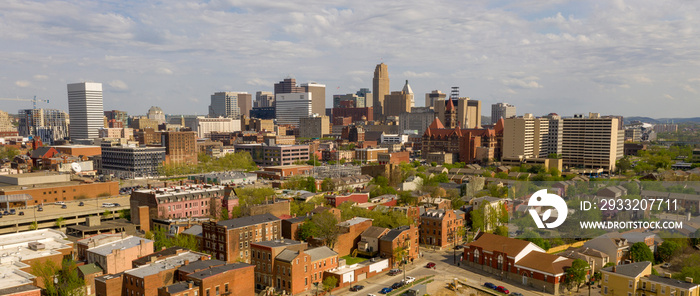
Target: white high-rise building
(501, 110)
(292, 106)
(85, 110)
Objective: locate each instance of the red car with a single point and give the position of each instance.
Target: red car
(430, 265)
(502, 290)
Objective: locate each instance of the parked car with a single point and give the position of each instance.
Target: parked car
(502, 290)
(12, 212)
(40, 209)
(490, 286)
(64, 207)
(394, 271)
(397, 285)
(386, 290)
(60, 203)
(371, 295)
(117, 205)
(666, 265)
(6, 213)
(81, 204)
(516, 294)
(21, 213)
(430, 265)
(356, 288)
(409, 279)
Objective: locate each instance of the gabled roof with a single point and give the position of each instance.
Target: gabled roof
(217, 270)
(320, 253)
(42, 152)
(394, 233)
(631, 270)
(548, 263)
(374, 232)
(492, 242)
(449, 105)
(671, 282)
(90, 269)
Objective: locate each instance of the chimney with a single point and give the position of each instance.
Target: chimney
(149, 186)
(689, 279)
(162, 248)
(667, 275)
(187, 262)
(614, 268)
(189, 285)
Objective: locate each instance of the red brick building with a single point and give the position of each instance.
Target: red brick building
(357, 114)
(26, 290)
(180, 147)
(296, 271)
(462, 143)
(440, 227)
(263, 257)
(394, 157)
(284, 171)
(232, 279)
(350, 234)
(336, 200)
(516, 260)
(290, 227)
(406, 237)
(231, 240)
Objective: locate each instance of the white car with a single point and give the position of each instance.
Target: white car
(371, 295)
(409, 279)
(60, 203)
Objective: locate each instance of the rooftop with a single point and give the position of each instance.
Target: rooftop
(374, 232)
(631, 270)
(671, 282)
(394, 233)
(126, 243)
(158, 255)
(277, 243)
(217, 270)
(351, 268)
(249, 220)
(165, 264)
(200, 265)
(353, 221)
(320, 253)
(15, 248)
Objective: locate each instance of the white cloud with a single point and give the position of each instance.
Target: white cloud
(118, 85)
(22, 83)
(527, 82)
(669, 97)
(689, 89)
(40, 77)
(258, 82)
(417, 75)
(165, 71)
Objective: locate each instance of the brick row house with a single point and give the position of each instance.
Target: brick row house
(264, 256)
(441, 228)
(518, 261)
(297, 271)
(231, 240)
(401, 237)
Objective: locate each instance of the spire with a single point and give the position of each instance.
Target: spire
(449, 106)
(407, 88)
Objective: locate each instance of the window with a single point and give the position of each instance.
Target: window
(644, 285)
(500, 264)
(226, 287)
(306, 281)
(663, 289)
(630, 283)
(605, 290)
(476, 256)
(217, 290)
(629, 294)
(606, 279)
(207, 293)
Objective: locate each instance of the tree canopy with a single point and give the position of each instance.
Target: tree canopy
(640, 252)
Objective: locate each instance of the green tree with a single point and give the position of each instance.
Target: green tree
(306, 231)
(327, 185)
(398, 254)
(501, 230)
(224, 215)
(310, 184)
(640, 252)
(326, 228)
(576, 274)
(329, 284)
(34, 226)
(609, 264)
(667, 250)
(59, 222)
(536, 239)
(407, 198)
(60, 280)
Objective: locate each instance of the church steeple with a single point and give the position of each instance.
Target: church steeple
(450, 114)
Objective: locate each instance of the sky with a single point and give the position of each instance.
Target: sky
(630, 58)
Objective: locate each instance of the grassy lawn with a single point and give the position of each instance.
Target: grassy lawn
(349, 260)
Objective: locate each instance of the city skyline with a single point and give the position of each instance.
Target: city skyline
(617, 57)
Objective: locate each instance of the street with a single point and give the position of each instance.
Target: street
(445, 271)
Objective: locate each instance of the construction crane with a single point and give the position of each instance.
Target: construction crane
(34, 100)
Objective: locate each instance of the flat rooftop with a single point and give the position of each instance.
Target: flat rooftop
(173, 263)
(181, 190)
(14, 248)
(126, 243)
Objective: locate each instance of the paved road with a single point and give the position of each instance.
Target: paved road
(444, 271)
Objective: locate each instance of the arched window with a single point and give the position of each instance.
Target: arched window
(500, 261)
(476, 256)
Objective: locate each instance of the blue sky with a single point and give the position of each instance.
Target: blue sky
(613, 57)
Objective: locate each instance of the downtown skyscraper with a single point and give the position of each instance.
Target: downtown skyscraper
(380, 88)
(85, 110)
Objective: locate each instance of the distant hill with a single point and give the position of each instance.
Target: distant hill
(661, 120)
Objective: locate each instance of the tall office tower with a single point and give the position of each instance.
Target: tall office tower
(85, 110)
(380, 88)
(318, 93)
(225, 104)
(501, 110)
(292, 106)
(592, 142)
(398, 102)
(367, 95)
(526, 137)
(156, 114)
(468, 111)
(454, 93)
(287, 86)
(245, 104)
(432, 96)
(264, 99)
